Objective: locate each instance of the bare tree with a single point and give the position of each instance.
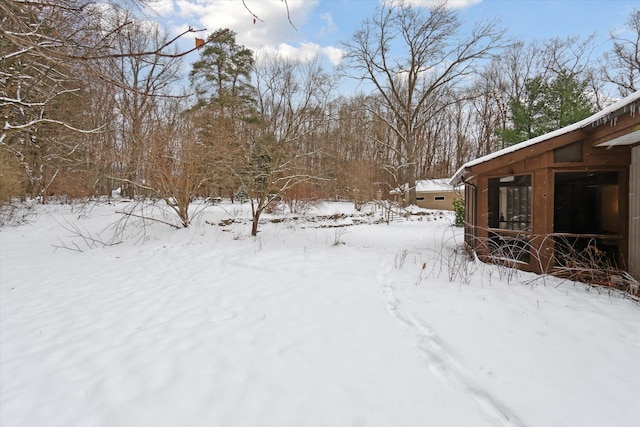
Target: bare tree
(352, 156)
(505, 82)
(410, 56)
(180, 165)
(568, 56)
(48, 52)
(551, 90)
(102, 152)
(489, 106)
(42, 40)
(622, 63)
(292, 97)
(31, 86)
(138, 83)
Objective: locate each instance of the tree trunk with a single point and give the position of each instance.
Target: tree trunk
(254, 225)
(411, 169)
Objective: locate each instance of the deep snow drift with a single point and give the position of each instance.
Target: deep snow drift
(308, 324)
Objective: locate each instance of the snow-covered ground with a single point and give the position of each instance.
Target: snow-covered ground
(307, 324)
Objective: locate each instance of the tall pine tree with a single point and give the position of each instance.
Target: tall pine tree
(222, 76)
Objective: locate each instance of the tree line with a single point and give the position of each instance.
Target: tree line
(90, 102)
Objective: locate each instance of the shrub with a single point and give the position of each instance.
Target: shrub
(458, 209)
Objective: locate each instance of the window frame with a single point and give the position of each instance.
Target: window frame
(513, 242)
(508, 216)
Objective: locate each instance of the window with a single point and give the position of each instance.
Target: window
(510, 203)
(569, 153)
(438, 198)
(510, 218)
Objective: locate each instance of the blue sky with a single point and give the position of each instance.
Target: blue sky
(321, 24)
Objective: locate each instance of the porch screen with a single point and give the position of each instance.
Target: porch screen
(586, 216)
(510, 203)
(586, 202)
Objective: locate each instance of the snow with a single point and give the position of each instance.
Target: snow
(307, 324)
(428, 186)
(433, 185)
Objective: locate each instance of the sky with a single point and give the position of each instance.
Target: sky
(317, 27)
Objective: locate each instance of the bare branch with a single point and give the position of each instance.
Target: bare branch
(256, 18)
(32, 123)
(288, 14)
(249, 10)
(148, 218)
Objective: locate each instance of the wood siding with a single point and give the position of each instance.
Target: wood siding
(634, 213)
(470, 219)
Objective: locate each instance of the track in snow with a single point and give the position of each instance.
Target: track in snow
(439, 360)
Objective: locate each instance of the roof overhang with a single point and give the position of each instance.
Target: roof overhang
(459, 177)
(630, 138)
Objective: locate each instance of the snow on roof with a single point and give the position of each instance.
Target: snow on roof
(433, 185)
(427, 186)
(595, 120)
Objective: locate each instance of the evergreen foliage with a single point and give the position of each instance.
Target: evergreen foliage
(546, 105)
(458, 209)
(222, 75)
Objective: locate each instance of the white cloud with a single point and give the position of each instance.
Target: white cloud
(334, 54)
(271, 32)
(306, 52)
(461, 4)
(272, 27)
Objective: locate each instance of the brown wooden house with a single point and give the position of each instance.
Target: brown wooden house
(540, 203)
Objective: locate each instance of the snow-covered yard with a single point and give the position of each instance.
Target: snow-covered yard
(307, 324)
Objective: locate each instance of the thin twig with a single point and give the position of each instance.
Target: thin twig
(286, 4)
(249, 10)
(149, 218)
(288, 15)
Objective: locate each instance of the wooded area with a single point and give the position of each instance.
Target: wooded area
(90, 103)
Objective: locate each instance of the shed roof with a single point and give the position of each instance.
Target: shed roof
(629, 104)
(433, 185)
(427, 186)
